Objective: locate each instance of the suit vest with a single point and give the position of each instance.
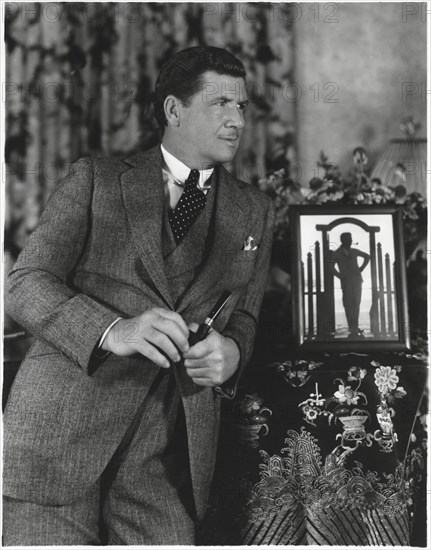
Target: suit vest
(184, 261)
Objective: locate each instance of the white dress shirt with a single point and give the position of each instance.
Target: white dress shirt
(175, 173)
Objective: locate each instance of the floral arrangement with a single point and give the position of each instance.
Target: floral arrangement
(350, 412)
(296, 373)
(358, 187)
(386, 380)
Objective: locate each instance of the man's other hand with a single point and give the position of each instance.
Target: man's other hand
(212, 361)
(158, 334)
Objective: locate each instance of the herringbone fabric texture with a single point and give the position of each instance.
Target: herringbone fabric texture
(191, 203)
(66, 415)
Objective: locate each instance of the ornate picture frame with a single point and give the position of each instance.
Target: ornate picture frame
(349, 278)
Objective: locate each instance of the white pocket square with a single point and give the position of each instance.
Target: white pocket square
(249, 244)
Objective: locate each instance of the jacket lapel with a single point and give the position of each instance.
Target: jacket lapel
(229, 229)
(143, 194)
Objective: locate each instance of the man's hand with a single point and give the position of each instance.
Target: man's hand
(212, 361)
(156, 332)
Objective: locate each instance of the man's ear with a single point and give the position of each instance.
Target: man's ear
(172, 107)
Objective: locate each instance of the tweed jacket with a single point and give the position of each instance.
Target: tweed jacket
(96, 255)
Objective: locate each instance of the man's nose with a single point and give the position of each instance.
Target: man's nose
(236, 120)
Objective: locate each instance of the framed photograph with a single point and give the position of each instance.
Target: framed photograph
(348, 278)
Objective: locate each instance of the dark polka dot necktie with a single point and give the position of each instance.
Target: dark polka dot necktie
(191, 202)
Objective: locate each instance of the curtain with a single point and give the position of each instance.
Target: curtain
(80, 78)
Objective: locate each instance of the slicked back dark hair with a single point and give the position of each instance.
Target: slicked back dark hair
(181, 75)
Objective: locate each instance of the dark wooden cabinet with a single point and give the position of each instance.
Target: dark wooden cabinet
(324, 452)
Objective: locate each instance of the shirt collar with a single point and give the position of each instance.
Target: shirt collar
(180, 172)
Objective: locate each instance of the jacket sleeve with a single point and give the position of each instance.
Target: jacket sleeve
(37, 294)
(242, 324)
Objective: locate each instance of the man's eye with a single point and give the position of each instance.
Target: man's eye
(242, 106)
(222, 103)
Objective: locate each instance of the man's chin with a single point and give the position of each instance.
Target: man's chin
(226, 156)
(221, 155)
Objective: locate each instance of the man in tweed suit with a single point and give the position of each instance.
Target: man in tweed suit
(111, 426)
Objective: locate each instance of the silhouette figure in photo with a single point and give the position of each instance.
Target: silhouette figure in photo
(350, 275)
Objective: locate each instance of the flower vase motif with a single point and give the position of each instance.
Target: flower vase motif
(354, 430)
(386, 380)
(352, 420)
(385, 437)
(253, 420)
(249, 433)
(343, 408)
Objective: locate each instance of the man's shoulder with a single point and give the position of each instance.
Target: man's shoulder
(125, 160)
(255, 197)
(109, 162)
(97, 165)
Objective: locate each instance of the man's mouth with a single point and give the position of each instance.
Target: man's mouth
(232, 141)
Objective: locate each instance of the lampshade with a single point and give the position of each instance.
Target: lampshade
(404, 162)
